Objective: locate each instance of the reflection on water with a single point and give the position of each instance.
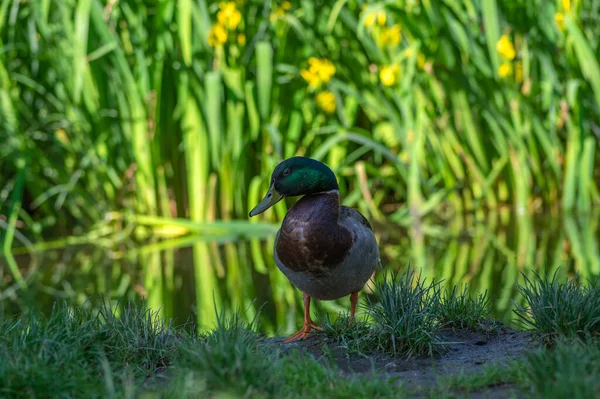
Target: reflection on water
(187, 279)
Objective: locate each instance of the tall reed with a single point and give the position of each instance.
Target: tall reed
(467, 104)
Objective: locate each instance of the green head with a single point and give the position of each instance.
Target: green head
(296, 176)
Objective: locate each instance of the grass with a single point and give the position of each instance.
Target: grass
(457, 309)
(556, 309)
(306, 377)
(230, 358)
(80, 353)
(404, 315)
(569, 370)
(128, 351)
(354, 338)
(491, 376)
(403, 320)
(407, 316)
(120, 353)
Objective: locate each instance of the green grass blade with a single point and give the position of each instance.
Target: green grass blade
(184, 20)
(489, 9)
(16, 198)
(585, 55)
(264, 77)
(82, 20)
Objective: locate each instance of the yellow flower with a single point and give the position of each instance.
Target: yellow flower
(229, 16)
(276, 15)
(217, 35)
(505, 47)
(505, 69)
(421, 60)
(390, 36)
(375, 16)
(241, 39)
(408, 53)
(324, 68)
(389, 75)
(62, 136)
(566, 4)
(518, 72)
(319, 72)
(310, 78)
(286, 5)
(370, 20)
(326, 101)
(559, 18)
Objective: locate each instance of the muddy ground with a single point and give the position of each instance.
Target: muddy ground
(468, 353)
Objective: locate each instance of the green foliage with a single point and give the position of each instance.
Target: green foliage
(355, 337)
(230, 358)
(492, 375)
(559, 309)
(113, 105)
(127, 106)
(80, 353)
(234, 360)
(306, 376)
(407, 316)
(404, 313)
(569, 370)
(122, 352)
(457, 309)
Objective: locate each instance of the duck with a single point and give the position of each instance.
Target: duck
(326, 250)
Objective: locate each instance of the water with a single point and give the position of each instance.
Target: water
(188, 278)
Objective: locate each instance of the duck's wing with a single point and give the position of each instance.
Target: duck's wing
(347, 212)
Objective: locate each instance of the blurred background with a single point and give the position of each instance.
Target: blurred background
(136, 135)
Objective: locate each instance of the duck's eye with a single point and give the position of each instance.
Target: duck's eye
(286, 172)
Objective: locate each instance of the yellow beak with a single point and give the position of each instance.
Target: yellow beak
(270, 199)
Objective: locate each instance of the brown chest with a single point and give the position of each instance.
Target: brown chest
(310, 238)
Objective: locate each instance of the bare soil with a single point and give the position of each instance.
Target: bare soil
(468, 353)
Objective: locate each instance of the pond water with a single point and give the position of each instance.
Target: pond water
(190, 278)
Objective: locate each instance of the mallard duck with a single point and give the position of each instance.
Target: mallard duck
(326, 250)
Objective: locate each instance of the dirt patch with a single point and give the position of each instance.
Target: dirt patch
(468, 353)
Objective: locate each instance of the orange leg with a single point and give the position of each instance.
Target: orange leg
(308, 323)
(353, 301)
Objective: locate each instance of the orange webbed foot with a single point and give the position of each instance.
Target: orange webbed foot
(300, 335)
(314, 326)
(309, 325)
(304, 332)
